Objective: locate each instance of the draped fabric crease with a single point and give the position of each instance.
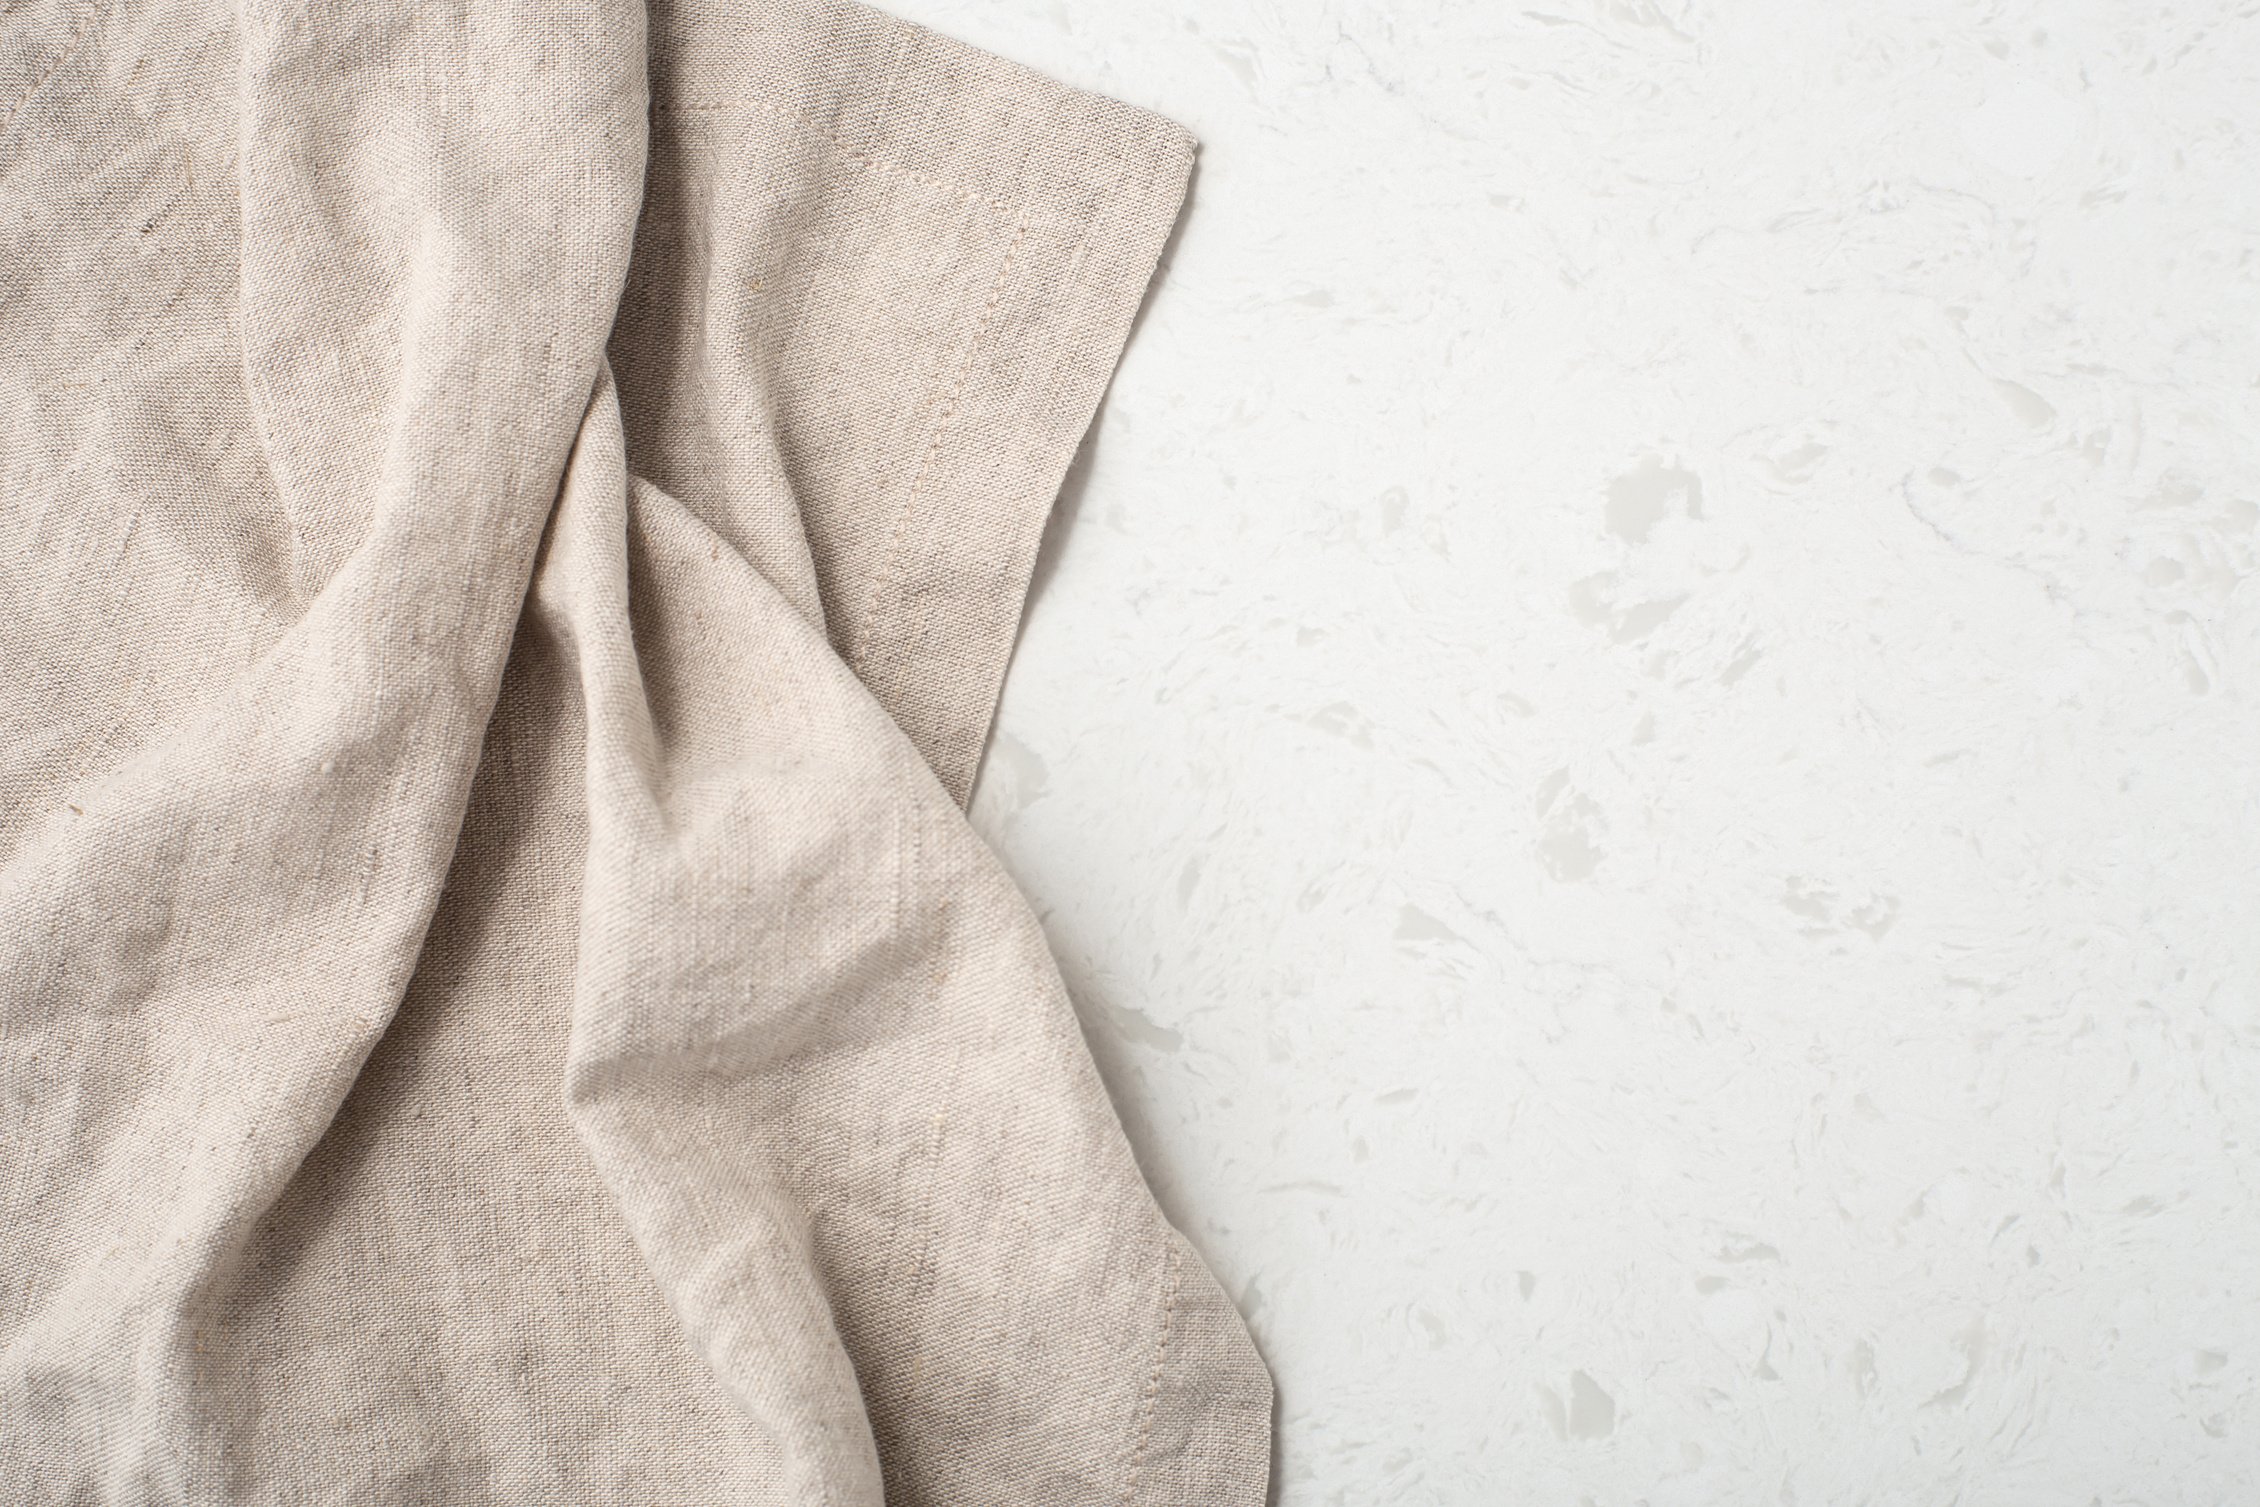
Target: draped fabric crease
(512, 522)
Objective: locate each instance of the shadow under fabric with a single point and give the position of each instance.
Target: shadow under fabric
(498, 999)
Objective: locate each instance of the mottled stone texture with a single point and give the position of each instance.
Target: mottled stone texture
(1639, 735)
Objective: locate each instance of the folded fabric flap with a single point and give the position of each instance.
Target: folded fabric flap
(917, 265)
(1206, 1436)
(821, 1056)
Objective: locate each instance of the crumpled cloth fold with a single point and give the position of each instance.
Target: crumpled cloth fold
(512, 521)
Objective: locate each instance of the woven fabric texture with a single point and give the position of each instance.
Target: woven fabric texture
(512, 521)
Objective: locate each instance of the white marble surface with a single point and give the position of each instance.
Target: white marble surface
(1641, 738)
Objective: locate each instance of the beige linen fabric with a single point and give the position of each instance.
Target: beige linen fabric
(512, 519)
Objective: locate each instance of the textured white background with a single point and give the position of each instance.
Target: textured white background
(1640, 737)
